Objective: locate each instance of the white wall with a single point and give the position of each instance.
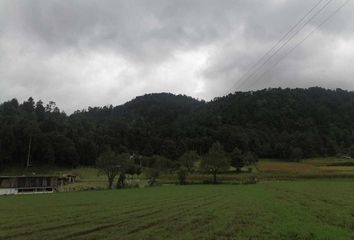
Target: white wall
(8, 191)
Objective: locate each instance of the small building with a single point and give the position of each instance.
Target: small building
(71, 178)
(66, 179)
(27, 184)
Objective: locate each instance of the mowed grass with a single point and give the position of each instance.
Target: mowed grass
(309, 209)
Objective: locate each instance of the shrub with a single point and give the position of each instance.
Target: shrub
(182, 175)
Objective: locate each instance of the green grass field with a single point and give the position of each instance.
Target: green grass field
(304, 209)
(265, 170)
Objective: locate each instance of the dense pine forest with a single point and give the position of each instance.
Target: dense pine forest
(271, 123)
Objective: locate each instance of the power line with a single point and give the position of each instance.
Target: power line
(305, 38)
(281, 39)
(286, 42)
(239, 83)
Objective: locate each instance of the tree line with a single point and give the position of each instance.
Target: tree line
(270, 123)
(214, 162)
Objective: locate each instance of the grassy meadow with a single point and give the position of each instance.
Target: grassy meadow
(313, 200)
(304, 209)
(89, 178)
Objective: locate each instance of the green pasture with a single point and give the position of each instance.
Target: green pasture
(304, 209)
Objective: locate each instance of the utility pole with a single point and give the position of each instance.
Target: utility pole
(28, 164)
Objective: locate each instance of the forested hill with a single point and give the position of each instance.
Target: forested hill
(159, 107)
(274, 123)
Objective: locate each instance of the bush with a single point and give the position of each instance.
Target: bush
(182, 175)
(152, 175)
(251, 180)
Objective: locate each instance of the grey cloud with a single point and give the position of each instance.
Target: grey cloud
(90, 52)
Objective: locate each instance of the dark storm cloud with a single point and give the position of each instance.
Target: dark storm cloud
(85, 52)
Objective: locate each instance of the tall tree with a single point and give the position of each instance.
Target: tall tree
(188, 159)
(108, 164)
(154, 166)
(215, 161)
(126, 166)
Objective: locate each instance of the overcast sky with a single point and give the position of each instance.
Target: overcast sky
(83, 53)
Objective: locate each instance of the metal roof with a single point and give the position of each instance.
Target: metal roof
(30, 176)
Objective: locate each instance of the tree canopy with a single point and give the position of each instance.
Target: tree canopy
(215, 161)
(269, 123)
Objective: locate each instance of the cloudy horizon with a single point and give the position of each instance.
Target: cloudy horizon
(93, 53)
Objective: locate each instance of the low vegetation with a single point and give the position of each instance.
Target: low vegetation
(311, 209)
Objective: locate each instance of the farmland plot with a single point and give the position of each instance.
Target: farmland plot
(275, 210)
